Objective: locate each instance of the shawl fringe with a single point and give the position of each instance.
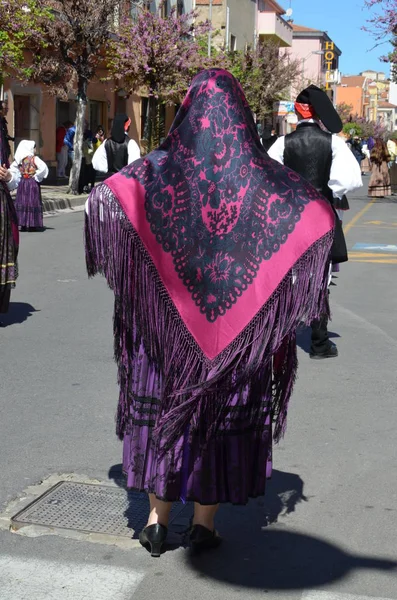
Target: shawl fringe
(197, 391)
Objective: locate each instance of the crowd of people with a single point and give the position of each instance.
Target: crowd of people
(374, 157)
(100, 154)
(377, 158)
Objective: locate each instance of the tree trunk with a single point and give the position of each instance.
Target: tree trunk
(152, 125)
(78, 137)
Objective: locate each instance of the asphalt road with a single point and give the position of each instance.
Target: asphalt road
(327, 527)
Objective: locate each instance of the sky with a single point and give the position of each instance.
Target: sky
(342, 20)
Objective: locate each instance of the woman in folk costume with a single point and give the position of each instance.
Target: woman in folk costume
(215, 254)
(33, 170)
(9, 235)
(379, 183)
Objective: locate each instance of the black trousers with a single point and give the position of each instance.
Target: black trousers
(320, 338)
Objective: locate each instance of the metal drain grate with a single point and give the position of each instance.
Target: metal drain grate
(91, 508)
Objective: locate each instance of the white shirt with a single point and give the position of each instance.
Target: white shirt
(345, 173)
(100, 160)
(41, 173)
(15, 179)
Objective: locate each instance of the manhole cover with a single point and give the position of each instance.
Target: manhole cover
(91, 508)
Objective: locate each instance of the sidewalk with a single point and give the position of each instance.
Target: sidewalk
(55, 197)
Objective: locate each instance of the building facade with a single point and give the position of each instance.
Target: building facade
(351, 91)
(372, 96)
(271, 24)
(233, 22)
(318, 55)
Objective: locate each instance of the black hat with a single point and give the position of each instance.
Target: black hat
(323, 107)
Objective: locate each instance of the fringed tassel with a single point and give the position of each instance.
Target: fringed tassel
(285, 367)
(196, 391)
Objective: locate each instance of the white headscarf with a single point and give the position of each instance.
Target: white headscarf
(25, 148)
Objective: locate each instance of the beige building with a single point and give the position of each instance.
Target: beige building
(271, 24)
(233, 21)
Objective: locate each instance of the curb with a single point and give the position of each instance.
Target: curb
(51, 205)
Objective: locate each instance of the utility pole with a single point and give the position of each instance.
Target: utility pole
(210, 31)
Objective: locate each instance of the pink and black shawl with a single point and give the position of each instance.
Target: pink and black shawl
(216, 254)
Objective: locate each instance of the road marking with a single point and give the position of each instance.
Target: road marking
(31, 579)
(373, 257)
(384, 261)
(380, 223)
(335, 596)
(358, 216)
(376, 247)
(370, 255)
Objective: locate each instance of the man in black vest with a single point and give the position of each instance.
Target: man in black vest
(324, 160)
(118, 151)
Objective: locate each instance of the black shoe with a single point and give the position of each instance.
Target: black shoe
(331, 352)
(152, 538)
(202, 539)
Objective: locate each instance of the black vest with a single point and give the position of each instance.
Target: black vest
(308, 151)
(117, 155)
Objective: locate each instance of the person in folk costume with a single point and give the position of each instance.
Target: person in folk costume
(4, 128)
(215, 254)
(33, 170)
(9, 235)
(119, 150)
(392, 150)
(326, 161)
(379, 184)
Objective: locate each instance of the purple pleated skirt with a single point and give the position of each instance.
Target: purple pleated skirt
(232, 467)
(28, 204)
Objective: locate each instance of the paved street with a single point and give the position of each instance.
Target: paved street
(327, 527)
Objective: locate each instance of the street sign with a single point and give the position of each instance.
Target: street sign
(283, 108)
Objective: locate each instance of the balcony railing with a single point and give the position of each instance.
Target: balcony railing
(270, 25)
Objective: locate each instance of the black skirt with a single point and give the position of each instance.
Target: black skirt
(341, 203)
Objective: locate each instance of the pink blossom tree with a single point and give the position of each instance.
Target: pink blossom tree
(158, 55)
(21, 27)
(76, 42)
(383, 25)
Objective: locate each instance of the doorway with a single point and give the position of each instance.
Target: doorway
(27, 118)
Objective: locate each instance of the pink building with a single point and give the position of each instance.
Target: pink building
(318, 55)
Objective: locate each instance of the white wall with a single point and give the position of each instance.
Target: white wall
(393, 93)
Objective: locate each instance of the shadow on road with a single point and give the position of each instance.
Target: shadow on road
(283, 493)
(303, 338)
(273, 559)
(18, 312)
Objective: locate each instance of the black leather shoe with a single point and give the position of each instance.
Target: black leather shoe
(331, 352)
(202, 539)
(152, 538)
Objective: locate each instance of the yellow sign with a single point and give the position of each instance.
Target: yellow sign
(329, 57)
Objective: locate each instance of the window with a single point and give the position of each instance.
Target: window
(233, 43)
(164, 9)
(137, 5)
(179, 7)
